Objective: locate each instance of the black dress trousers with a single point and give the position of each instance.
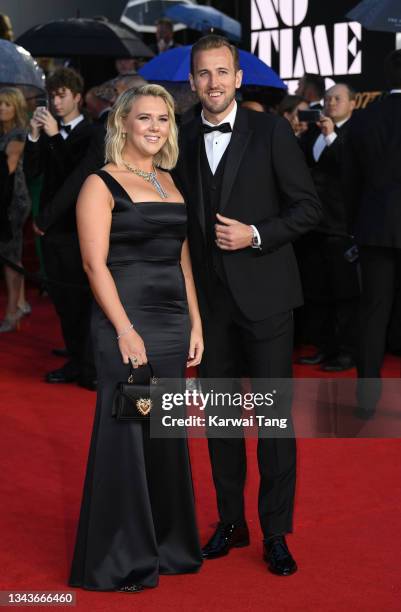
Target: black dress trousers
(69, 290)
(235, 346)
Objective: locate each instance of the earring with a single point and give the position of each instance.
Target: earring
(124, 134)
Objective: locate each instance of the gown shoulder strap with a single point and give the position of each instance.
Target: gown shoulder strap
(112, 184)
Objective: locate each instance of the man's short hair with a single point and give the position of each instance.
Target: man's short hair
(316, 81)
(213, 41)
(392, 69)
(165, 21)
(65, 78)
(351, 90)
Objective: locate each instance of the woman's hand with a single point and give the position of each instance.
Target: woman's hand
(132, 349)
(195, 347)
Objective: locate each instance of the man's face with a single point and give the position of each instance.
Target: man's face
(164, 32)
(337, 104)
(215, 79)
(64, 102)
(300, 90)
(125, 65)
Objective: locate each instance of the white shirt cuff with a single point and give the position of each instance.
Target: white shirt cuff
(31, 139)
(330, 138)
(258, 238)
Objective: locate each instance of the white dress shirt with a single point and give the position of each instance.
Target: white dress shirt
(216, 144)
(325, 141)
(62, 132)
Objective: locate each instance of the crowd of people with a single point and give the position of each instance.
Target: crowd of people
(212, 284)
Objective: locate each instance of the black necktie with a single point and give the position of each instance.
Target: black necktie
(224, 128)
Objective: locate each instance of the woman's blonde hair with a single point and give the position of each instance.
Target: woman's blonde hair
(13, 96)
(167, 157)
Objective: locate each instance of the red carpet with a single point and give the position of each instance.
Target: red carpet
(347, 536)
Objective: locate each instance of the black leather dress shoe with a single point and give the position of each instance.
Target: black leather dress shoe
(225, 537)
(87, 383)
(62, 375)
(364, 413)
(342, 362)
(130, 588)
(277, 556)
(314, 359)
(60, 352)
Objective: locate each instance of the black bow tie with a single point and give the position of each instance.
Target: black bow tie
(66, 128)
(224, 128)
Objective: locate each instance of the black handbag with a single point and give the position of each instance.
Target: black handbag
(132, 399)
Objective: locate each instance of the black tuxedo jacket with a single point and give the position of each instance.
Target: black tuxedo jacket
(66, 196)
(327, 175)
(55, 159)
(64, 200)
(373, 172)
(266, 183)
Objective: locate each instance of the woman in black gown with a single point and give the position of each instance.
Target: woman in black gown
(137, 516)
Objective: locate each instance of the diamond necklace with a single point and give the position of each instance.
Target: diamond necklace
(150, 177)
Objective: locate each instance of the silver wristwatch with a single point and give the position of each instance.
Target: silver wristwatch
(256, 243)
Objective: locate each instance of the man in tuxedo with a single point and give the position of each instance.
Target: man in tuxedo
(329, 278)
(55, 146)
(64, 199)
(374, 187)
(249, 194)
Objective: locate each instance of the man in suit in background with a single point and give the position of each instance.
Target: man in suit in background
(312, 88)
(164, 36)
(329, 279)
(99, 100)
(249, 195)
(54, 148)
(374, 187)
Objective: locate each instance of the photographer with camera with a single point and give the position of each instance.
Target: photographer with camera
(327, 255)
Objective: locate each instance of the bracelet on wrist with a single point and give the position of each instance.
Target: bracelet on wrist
(125, 331)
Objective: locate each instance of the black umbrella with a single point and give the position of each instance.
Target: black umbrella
(80, 37)
(380, 15)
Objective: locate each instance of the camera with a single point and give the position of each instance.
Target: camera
(309, 116)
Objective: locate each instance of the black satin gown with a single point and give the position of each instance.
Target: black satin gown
(137, 516)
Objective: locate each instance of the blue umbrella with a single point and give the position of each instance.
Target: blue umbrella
(205, 18)
(173, 65)
(381, 15)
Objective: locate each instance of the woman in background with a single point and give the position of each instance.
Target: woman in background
(13, 124)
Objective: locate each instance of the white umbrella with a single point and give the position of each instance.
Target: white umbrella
(18, 68)
(141, 15)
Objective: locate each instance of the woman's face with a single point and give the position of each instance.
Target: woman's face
(7, 111)
(147, 125)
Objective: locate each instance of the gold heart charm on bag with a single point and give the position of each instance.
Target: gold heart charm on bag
(144, 406)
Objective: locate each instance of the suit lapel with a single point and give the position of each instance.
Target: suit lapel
(238, 144)
(194, 177)
(77, 131)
